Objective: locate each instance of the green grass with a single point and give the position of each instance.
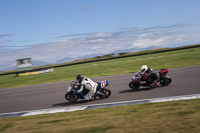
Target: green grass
(171, 117)
(172, 59)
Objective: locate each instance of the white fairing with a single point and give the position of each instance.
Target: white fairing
(70, 87)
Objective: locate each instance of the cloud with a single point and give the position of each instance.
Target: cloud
(77, 46)
(74, 35)
(144, 43)
(5, 35)
(157, 28)
(179, 25)
(96, 47)
(96, 41)
(98, 36)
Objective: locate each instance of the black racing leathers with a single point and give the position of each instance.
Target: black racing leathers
(153, 76)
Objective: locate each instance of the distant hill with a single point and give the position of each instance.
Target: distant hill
(64, 60)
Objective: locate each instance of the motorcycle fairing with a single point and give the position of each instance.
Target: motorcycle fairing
(163, 72)
(102, 84)
(144, 76)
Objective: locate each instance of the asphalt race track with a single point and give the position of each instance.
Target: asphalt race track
(185, 81)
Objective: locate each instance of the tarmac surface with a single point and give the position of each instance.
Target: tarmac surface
(185, 81)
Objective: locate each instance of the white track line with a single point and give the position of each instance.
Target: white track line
(103, 105)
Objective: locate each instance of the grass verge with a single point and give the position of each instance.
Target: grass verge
(180, 58)
(176, 116)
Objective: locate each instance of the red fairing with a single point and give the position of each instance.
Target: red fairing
(144, 76)
(163, 72)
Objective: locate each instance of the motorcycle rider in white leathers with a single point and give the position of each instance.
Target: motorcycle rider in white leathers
(88, 84)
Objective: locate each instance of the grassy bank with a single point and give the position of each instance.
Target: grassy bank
(180, 58)
(176, 116)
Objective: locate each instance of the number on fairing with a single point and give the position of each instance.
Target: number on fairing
(103, 84)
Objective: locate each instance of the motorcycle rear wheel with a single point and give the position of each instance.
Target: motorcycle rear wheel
(104, 93)
(166, 81)
(71, 98)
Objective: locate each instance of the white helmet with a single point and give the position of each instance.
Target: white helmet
(144, 68)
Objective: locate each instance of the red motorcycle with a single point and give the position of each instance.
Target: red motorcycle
(139, 79)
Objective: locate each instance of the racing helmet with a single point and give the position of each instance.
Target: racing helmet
(144, 68)
(79, 78)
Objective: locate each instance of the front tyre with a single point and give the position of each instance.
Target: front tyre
(165, 81)
(71, 98)
(134, 85)
(104, 93)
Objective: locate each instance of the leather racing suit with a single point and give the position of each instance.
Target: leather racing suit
(153, 77)
(90, 85)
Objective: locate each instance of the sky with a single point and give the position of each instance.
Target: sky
(57, 31)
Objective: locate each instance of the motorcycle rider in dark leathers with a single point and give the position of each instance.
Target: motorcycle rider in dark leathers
(153, 76)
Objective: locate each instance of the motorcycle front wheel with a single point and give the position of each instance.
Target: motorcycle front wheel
(104, 93)
(134, 85)
(71, 98)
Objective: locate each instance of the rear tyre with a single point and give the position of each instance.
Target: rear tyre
(166, 81)
(71, 98)
(134, 86)
(104, 93)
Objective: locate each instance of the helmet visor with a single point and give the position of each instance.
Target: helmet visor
(142, 70)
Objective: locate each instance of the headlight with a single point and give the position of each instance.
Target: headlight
(134, 78)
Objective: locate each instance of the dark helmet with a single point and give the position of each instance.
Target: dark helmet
(79, 78)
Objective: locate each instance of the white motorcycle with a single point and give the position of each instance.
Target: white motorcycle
(73, 96)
